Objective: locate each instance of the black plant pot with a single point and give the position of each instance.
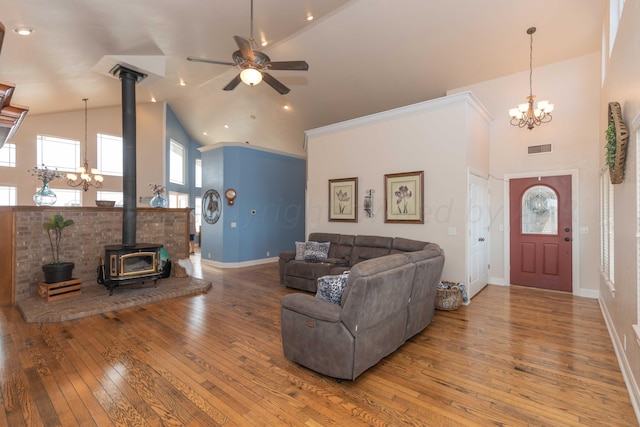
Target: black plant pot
(54, 273)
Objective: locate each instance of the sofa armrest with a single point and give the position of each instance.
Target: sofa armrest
(287, 256)
(311, 306)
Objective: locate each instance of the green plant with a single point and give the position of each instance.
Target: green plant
(610, 147)
(54, 226)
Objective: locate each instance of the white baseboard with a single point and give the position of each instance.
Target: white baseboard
(219, 264)
(625, 368)
(588, 293)
(498, 281)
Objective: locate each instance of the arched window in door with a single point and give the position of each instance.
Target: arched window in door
(540, 210)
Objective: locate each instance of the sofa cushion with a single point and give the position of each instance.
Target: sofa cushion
(300, 247)
(401, 245)
(342, 248)
(330, 288)
(368, 247)
(316, 251)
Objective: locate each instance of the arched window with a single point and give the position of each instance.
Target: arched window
(540, 210)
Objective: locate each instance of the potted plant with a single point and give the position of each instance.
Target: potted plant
(57, 271)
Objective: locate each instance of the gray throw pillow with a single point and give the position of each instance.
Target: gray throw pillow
(330, 288)
(316, 252)
(300, 247)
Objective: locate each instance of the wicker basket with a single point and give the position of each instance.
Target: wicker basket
(449, 299)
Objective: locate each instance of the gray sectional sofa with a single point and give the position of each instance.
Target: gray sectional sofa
(345, 251)
(386, 301)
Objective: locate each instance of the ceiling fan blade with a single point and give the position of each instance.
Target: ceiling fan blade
(245, 48)
(288, 65)
(209, 61)
(233, 83)
(271, 81)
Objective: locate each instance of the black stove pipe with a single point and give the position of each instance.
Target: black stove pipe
(129, 79)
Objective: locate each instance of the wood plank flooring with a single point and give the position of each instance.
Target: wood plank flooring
(513, 357)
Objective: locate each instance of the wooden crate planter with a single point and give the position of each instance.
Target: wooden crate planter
(55, 291)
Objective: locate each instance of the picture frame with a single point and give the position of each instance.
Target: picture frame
(343, 200)
(404, 198)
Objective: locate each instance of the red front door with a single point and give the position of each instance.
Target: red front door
(540, 210)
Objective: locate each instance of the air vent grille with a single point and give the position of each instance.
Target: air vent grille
(538, 149)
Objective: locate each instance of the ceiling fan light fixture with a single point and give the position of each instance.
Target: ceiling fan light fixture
(250, 76)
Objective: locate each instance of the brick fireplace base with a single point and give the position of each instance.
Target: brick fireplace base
(96, 300)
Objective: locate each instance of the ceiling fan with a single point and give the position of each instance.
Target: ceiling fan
(255, 64)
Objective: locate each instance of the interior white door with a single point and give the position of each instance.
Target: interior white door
(478, 224)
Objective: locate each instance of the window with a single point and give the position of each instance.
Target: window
(636, 327)
(8, 155)
(178, 200)
(116, 196)
(7, 195)
(607, 228)
(176, 163)
(540, 210)
(198, 213)
(110, 155)
(198, 182)
(67, 197)
(615, 13)
(58, 153)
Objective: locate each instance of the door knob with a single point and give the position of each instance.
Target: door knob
(567, 229)
(567, 239)
(481, 239)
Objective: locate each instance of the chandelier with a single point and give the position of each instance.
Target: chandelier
(526, 115)
(88, 177)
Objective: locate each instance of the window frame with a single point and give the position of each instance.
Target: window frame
(103, 138)
(180, 151)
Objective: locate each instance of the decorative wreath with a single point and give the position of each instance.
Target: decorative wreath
(617, 136)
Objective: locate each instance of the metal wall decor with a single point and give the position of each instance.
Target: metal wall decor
(211, 206)
(368, 203)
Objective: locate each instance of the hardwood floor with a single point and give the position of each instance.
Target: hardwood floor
(515, 356)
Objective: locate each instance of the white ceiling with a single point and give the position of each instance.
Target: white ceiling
(365, 56)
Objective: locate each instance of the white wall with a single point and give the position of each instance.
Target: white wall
(573, 87)
(433, 137)
(150, 121)
(621, 308)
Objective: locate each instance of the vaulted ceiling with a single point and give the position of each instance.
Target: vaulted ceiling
(365, 56)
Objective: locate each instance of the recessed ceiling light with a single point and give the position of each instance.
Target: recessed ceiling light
(205, 133)
(264, 43)
(226, 126)
(182, 83)
(153, 99)
(309, 17)
(286, 107)
(24, 31)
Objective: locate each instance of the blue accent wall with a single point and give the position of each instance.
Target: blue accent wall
(269, 211)
(177, 132)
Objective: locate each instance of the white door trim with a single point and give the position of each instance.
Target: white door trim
(575, 221)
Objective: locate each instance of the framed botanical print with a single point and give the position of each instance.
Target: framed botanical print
(404, 197)
(343, 199)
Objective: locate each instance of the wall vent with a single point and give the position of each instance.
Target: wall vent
(538, 149)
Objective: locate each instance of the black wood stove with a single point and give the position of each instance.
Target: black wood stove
(130, 262)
